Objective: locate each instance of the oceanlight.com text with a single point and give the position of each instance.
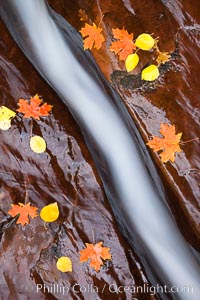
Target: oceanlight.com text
(112, 288)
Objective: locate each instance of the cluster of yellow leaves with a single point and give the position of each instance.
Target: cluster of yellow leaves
(144, 42)
(123, 46)
(168, 144)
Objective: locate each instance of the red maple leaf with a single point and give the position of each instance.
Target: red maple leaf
(23, 211)
(168, 144)
(95, 253)
(34, 108)
(93, 36)
(125, 45)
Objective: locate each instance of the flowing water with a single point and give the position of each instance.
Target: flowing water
(55, 49)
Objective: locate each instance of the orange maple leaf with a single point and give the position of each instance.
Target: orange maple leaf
(169, 143)
(23, 211)
(35, 108)
(125, 45)
(93, 36)
(95, 253)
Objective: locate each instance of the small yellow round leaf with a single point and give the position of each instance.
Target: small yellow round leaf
(64, 264)
(50, 213)
(5, 124)
(145, 41)
(37, 144)
(132, 62)
(6, 113)
(150, 73)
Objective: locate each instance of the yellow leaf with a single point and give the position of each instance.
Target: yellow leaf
(163, 57)
(145, 41)
(5, 124)
(6, 113)
(132, 62)
(5, 117)
(50, 213)
(150, 73)
(37, 144)
(64, 264)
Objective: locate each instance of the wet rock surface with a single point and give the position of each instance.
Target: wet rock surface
(66, 173)
(173, 98)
